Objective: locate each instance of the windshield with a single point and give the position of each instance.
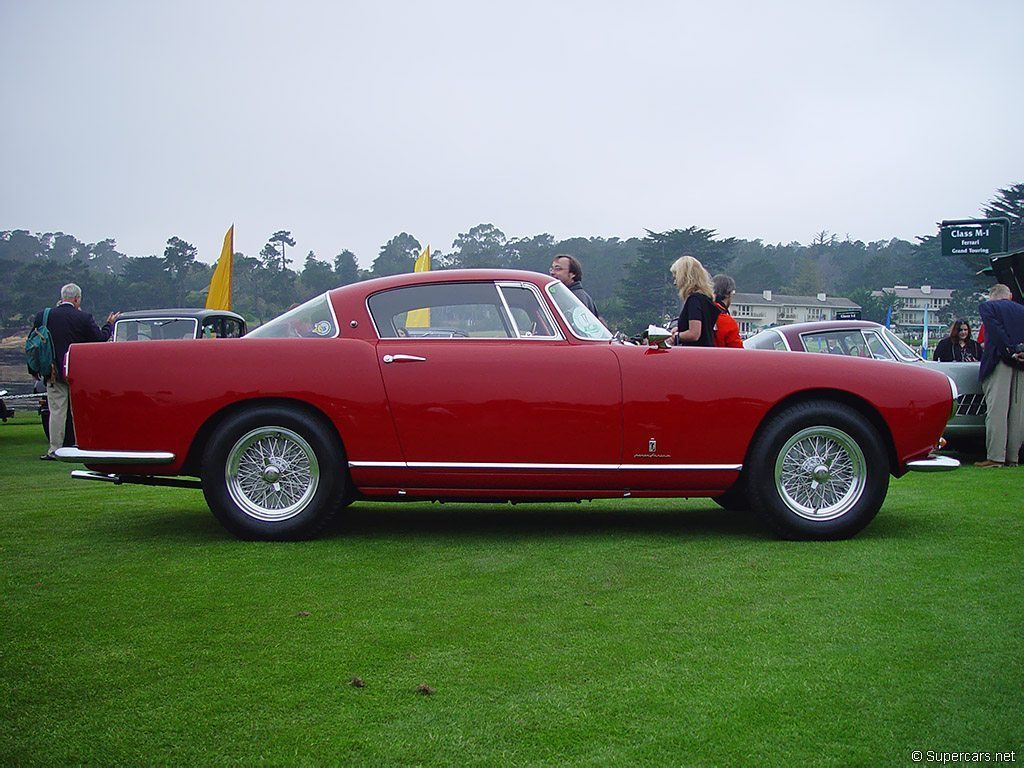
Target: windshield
(580, 320)
(314, 319)
(900, 346)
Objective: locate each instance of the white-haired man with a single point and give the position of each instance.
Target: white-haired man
(68, 325)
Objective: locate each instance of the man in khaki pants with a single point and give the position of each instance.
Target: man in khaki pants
(1002, 377)
(68, 325)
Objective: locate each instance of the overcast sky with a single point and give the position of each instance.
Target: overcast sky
(349, 122)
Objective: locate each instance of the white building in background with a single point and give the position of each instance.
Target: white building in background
(909, 318)
(757, 310)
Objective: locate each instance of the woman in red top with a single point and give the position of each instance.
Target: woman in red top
(727, 332)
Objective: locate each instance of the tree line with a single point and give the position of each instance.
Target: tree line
(628, 278)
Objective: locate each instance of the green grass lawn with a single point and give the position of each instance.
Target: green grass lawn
(133, 630)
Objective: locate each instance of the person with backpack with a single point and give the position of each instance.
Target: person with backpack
(64, 325)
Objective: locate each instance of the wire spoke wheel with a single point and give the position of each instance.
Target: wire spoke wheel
(820, 473)
(271, 473)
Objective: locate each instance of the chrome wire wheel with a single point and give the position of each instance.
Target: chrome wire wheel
(820, 473)
(271, 473)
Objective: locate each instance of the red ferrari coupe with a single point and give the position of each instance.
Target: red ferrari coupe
(488, 385)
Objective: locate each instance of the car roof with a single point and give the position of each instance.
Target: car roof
(443, 276)
(196, 313)
(795, 329)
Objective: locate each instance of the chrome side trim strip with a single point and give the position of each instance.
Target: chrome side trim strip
(79, 456)
(544, 467)
(687, 467)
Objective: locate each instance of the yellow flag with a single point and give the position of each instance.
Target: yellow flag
(219, 296)
(420, 318)
(423, 261)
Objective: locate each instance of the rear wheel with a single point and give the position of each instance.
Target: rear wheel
(274, 473)
(818, 470)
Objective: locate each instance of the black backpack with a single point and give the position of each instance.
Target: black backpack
(39, 354)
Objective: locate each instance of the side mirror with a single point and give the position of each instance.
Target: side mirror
(657, 337)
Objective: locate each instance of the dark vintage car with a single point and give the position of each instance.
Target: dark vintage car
(526, 398)
(165, 324)
(863, 338)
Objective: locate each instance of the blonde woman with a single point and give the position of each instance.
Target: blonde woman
(697, 320)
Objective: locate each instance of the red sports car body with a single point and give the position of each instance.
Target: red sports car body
(494, 385)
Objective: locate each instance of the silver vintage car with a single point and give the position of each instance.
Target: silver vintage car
(862, 338)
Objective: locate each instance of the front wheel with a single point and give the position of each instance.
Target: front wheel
(274, 473)
(818, 471)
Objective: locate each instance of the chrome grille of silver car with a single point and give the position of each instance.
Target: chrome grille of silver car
(971, 404)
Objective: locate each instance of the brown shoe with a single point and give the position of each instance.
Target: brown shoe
(986, 464)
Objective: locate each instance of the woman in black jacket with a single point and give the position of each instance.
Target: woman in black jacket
(697, 320)
(958, 347)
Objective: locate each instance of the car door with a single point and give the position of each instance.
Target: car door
(480, 380)
(688, 413)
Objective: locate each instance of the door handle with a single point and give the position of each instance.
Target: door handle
(403, 359)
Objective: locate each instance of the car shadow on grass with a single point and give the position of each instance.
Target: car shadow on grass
(537, 520)
(368, 520)
(426, 520)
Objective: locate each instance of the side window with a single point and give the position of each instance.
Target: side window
(221, 328)
(528, 314)
(877, 349)
(767, 340)
(441, 311)
(836, 343)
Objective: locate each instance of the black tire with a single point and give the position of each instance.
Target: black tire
(817, 470)
(274, 473)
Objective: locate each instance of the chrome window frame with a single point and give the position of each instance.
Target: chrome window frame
(540, 302)
(508, 318)
(865, 332)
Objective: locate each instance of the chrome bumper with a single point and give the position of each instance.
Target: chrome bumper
(933, 464)
(78, 456)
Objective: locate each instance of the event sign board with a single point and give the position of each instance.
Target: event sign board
(975, 237)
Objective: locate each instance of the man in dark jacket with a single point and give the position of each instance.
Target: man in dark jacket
(568, 269)
(68, 325)
(1002, 377)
